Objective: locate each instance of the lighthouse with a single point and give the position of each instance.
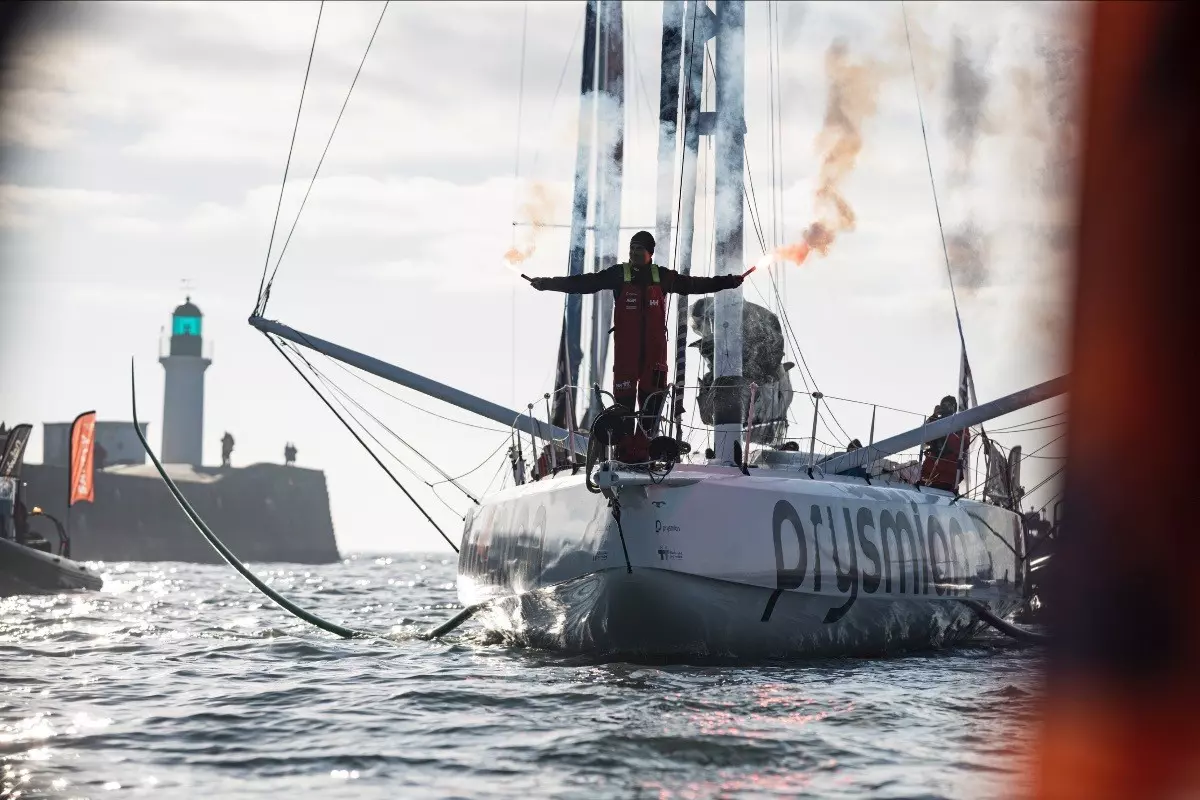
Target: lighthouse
(183, 389)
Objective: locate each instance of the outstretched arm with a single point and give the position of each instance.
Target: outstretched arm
(586, 283)
(697, 284)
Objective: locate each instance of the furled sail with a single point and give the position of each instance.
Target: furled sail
(762, 363)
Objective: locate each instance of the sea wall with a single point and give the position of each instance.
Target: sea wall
(263, 513)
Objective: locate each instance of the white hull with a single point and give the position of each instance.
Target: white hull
(774, 564)
(660, 613)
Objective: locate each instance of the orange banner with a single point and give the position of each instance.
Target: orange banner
(83, 440)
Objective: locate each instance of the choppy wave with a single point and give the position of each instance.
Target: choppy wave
(179, 680)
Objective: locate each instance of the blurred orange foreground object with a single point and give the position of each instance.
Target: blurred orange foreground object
(1122, 713)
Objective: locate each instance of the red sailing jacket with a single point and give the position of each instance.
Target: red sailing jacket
(640, 325)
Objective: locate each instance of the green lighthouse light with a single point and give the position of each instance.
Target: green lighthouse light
(185, 330)
(185, 326)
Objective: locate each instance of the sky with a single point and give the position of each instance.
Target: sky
(145, 145)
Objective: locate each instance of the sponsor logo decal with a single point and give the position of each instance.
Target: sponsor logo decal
(919, 554)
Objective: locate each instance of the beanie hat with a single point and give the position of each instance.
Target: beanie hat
(644, 239)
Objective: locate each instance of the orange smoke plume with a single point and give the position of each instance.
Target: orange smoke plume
(537, 210)
(853, 94)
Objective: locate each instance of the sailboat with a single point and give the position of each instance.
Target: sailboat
(737, 551)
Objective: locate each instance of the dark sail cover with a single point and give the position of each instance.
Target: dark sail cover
(762, 363)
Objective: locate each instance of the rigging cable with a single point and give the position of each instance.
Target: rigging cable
(475, 469)
(772, 127)
(1024, 456)
(681, 115)
(1008, 431)
(752, 202)
(779, 132)
(287, 605)
(562, 76)
(968, 380)
(516, 184)
(398, 399)
(260, 305)
(333, 387)
(284, 603)
(267, 290)
(1019, 427)
(932, 183)
(637, 70)
(354, 433)
(335, 390)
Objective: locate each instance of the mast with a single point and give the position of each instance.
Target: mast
(611, 121)
(698, 29)
(570, 348)
(730, 162)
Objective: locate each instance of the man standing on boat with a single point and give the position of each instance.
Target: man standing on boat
(942, 467)
(639, 290)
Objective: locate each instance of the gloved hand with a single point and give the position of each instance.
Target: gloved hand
(538, 283)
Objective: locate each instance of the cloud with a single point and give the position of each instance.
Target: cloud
(26, 206)
(157, 133)
(220, 83)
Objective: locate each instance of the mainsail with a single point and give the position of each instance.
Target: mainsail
(602, 135)
(610, 159)
(570, 351)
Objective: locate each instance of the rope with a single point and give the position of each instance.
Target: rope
(520, 109)
(1006, 431)
(616, 512)
(1008, 629)
(778, 48)
(477, 468)
(512, 349)
(1020, 426)
(752, 202)
(333, 387)
(284, 603)
(220, 547)
(1024, 456)
(381, 390)
(358, 438)
(1044, 481)
(537, 153)
(681, 320)
(933, 184)
(261, 304)
(630, 43)
(337, 390)
(772, 125)
(787, 325)
(324, 153)
(996, 533)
